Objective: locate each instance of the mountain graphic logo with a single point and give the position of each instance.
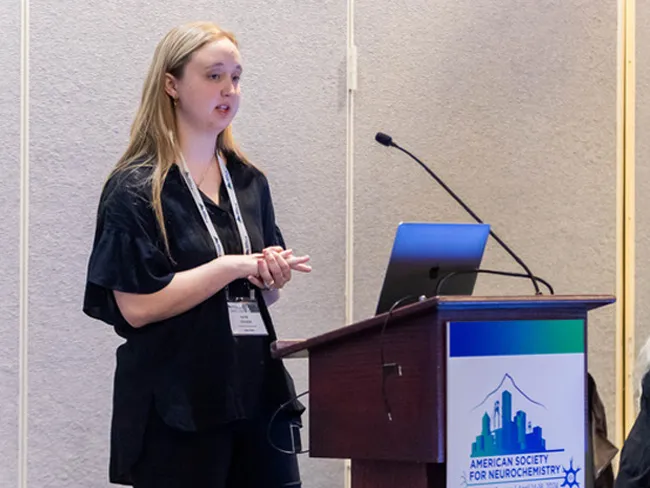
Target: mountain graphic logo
(505, 433)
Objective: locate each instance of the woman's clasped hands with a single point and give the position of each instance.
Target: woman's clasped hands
(275, 266)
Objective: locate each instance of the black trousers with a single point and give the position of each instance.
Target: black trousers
(233, 456)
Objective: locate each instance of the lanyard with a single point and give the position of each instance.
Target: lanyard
(200, 205)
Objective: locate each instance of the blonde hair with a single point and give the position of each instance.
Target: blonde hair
(153, 139)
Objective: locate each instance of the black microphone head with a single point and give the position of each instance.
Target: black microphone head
(384, 139)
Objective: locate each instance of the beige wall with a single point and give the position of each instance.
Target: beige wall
(513, 103)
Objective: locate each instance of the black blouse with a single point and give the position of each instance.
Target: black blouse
(190, 367)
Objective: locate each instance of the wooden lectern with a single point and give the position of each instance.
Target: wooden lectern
(351, 392)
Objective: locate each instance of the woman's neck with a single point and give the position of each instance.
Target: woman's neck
(198, 147)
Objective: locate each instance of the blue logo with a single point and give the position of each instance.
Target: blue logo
(570, 476)
(510, 447)
(501, 432)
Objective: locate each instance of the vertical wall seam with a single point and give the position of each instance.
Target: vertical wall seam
(24, 245)
(620, 225)
(349, 178)
(625, 221)
(629, 348)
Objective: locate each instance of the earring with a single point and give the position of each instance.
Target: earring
(175, 102)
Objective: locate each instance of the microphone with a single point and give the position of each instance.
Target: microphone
(387, 141)
(384, 139)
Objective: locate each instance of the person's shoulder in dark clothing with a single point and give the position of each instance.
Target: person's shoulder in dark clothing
(127, 192)
(246, 170)
(634, 467)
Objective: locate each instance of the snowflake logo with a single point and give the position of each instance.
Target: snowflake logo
(570, 476)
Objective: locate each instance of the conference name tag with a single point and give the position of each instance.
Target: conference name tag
(245, 318)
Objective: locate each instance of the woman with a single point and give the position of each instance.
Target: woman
(186, 255)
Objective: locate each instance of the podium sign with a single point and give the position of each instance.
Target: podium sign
(516, 408)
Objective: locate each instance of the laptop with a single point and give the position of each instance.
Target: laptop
(423, 253)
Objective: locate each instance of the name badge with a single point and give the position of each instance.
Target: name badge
(245, 318)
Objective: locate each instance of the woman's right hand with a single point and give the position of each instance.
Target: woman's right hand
(276, 269)
(247, 265)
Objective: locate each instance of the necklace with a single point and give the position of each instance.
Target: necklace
(205, 172)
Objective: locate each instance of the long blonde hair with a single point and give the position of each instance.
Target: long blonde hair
(154, 132)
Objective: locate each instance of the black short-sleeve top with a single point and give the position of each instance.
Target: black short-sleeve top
(189, 366)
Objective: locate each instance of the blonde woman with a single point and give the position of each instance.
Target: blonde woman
(186, 257)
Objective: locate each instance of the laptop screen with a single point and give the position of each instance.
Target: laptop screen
(423, 253)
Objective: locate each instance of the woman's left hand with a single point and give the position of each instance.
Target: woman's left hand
(275, 269)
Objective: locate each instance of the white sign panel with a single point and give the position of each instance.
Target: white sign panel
(516, 404)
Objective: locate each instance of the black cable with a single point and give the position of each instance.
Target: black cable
(495, 272)
(392, 368)
(275, 414)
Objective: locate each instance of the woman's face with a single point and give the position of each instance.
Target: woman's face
(208, 92)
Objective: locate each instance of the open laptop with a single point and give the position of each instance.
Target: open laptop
(423, 253)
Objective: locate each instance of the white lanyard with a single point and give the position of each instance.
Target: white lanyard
(243, 234)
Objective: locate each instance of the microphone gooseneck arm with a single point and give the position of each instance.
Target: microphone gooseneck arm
(387, 141)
